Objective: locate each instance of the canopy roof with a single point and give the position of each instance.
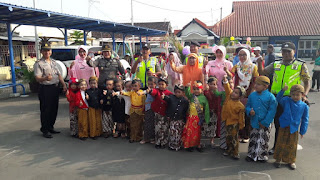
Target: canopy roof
(29, 16)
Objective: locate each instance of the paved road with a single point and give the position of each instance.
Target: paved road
(25, 154)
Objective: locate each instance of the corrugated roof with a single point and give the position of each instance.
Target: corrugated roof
(30, 16)
(271, 18)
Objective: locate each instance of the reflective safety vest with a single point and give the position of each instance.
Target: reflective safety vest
(201, 59)
(286, 74)
(141, 72)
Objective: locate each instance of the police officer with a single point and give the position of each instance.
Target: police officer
(194, 48)
(48, 75)
(145, 66)
(108, 67)
(288, 71)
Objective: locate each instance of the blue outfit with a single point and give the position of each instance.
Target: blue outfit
(148, 101)
(265, 107)
(294, 114)
(235, 60)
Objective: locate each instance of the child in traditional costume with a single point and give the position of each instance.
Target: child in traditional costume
(215, 100)
(295, 114)
(127, 88)
(119, 110)
(159, 107)
(148, 128)
(93, 97)
(106, 101)
(81, 102)
(177, 107)
(198, 113)
(261, 107)
(136, 111)
(233, 115)
(73, 110)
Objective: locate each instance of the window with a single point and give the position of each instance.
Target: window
(262, 44)
(307, 49)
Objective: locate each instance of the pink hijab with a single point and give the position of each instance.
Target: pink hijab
(80, 69)
(171, 73)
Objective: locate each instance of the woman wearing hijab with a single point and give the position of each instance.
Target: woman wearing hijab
(216, 69)
(80, 69)
(190, 72)
(174, 78)
(245, 73)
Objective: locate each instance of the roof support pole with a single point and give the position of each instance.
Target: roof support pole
(65, 37)
(113, 42)
(124, 44)
(13, 74)
(84, 37)
(140, 43)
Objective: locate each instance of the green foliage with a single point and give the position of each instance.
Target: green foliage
(225, 41)
(27, 75)
(178, 46)
(77, 36)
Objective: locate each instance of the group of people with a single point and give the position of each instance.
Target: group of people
(202, 99)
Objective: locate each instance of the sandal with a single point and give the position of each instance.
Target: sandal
(143, 142)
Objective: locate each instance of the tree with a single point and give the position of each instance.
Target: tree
(77, 36)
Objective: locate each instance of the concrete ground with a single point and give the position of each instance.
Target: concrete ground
(25, 154)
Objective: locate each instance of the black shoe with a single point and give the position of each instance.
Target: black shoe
(47, 135)
(162, 147)
(199, 149)
(271, 151)
(94, 138)
(190, 149)
(54, 132)
(83, 138)
(248, 159)
(131, 141)
(157, 146)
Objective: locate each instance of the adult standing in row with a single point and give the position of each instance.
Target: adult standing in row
(79, 69)
(145, 66)
(108, 67)
(270, 57)
(289, 70)
(194, 48)
(48, 75)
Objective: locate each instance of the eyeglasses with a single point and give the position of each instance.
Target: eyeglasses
(242, 54)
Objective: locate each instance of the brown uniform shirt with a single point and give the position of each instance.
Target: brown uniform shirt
(42, 68)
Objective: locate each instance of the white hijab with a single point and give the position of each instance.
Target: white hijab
(245, 70)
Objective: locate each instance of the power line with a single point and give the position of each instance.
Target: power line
(173, 10)
(102, 12)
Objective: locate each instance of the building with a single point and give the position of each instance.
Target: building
(275, 22)
(197, 31)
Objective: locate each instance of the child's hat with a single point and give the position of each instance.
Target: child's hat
(262, 80)
(179, 86)
(297, 88)
(93, 78)
(242, 90)
(73, 81)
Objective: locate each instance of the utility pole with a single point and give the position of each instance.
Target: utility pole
(212, 17)
(220, 22)
(133, 42)
(36, 37)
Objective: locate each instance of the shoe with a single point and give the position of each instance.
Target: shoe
(277, 164)
(271, 151)
(236, 157)
(94, 138)
(199, 149)
(83, 138)
(142, 142)
(189, 149)
(292, 166)
(47, 135)
(162, 147)
(248, 159)
(244, 140)
(262, 161)
(313, 90)
(131, 141)
(171, 149)
(105, 135)
(225, 154)
(152, 142)
(157, 146)
(54, 132)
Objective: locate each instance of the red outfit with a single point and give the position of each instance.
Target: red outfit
(71, 97)
(191, 134)
(215, 104)
(79, 99)
(159, 105)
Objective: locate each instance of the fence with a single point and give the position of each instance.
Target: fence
(20, 53)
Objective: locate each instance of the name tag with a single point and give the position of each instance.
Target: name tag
(278, 67)
(294, 67)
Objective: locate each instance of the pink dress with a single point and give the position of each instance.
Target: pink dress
(81, 70)
(215, 68)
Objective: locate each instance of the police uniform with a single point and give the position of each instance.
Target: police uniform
(286, 73)
(108, 69)
(150, 64)
(48, 93)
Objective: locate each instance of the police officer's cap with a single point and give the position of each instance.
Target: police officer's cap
(45, 46)
(106, 48)
(195, 43)
(289, 46)
(146, 46)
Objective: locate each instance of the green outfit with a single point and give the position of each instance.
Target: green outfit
(203, 102)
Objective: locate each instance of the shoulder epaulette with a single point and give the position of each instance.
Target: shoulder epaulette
(300, 60)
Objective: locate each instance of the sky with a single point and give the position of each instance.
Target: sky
(178, 12)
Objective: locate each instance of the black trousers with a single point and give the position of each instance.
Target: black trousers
(49, 101)
(316, 77)
(277, 123)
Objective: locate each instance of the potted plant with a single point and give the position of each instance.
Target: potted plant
(28, 77)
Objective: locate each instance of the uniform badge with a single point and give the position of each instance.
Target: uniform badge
(278, 67)
(294, 67)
